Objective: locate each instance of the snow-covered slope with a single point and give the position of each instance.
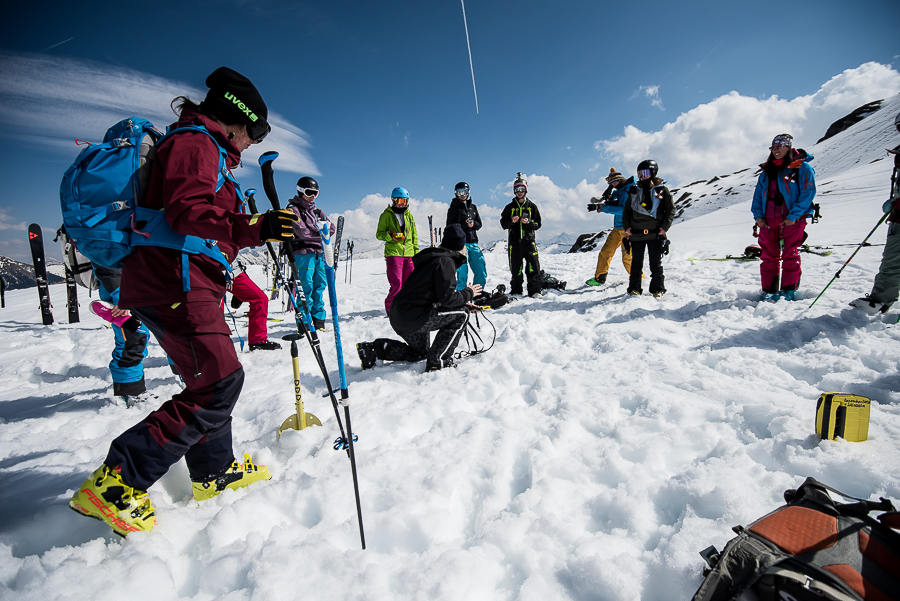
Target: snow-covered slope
(859, 145)
(591, 453)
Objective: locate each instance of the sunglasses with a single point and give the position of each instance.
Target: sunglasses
(644, 173)
(518, 189)
(309, 192)
(258, 130)
(778, 146)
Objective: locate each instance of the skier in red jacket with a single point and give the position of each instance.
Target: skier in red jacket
(184, 315)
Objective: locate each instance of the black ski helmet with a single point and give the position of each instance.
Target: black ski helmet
(306, 182)
(649, 164)
(461, 186)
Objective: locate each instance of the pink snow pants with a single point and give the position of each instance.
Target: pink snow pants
(780, 268)
(243, 288)
(398, 269)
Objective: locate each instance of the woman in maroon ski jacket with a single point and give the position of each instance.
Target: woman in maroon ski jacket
(186, 317)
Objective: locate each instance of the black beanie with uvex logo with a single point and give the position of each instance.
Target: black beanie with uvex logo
(233, 98)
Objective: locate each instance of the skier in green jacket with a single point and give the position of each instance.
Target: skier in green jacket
(397, 228)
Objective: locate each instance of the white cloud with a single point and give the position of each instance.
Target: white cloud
(6, 222)
(733, 131)
(52, 101)
(562, 210)
(652, 92)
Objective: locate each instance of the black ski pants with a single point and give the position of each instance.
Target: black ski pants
(524, 262)
(449, 325)
(654, 248)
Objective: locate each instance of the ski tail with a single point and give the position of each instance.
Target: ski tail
(338, 232)
(36, 241)
(71, 295)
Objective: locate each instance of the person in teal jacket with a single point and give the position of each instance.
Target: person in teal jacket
(397, 228)
(782, 200)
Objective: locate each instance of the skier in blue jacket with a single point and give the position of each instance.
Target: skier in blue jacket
(782, 200)
(612, 201)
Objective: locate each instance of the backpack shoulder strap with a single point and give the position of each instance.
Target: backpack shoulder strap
(862, 506)
(223, 171)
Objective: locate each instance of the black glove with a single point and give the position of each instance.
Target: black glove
(592, 207)
(626, 244)
(277, 226)
(236, 302)
(665, 245)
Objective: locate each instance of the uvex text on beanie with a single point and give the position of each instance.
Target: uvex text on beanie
(233, 98)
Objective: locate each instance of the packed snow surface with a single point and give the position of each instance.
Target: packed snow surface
(591, 453)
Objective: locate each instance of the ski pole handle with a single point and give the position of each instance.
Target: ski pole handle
(251, 202)
(251, 199)
(265, 164)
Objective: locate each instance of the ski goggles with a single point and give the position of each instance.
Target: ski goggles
(258, 130)
(644, 174)
(311, 192)
(518, 189)
(462, 191)
(400, 202)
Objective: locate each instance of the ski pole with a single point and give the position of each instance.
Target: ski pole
(301, 310)
(325, 233)
(301, 325)
(346, 260)
(838, 274)
(351, 261)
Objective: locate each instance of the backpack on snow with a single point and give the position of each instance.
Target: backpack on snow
(493, 300)
(812, 549)
(550, 282)
(753, 250)
(101, 192)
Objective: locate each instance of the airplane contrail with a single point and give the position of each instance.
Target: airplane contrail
(469, 46)
(58, 44)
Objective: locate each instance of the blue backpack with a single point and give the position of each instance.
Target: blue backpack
(102, 190)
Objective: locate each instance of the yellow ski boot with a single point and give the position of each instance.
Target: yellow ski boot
(104, 496)
(236, 476)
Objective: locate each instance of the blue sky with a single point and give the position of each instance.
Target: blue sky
(367, 96)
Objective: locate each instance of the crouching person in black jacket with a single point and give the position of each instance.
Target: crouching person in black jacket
(428, 301)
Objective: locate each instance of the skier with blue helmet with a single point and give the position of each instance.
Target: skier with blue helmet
(397, 228)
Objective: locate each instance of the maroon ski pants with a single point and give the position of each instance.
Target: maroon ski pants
(195, 423)
(780, 267)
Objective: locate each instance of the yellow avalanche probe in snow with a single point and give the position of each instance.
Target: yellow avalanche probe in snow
(299, 420)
